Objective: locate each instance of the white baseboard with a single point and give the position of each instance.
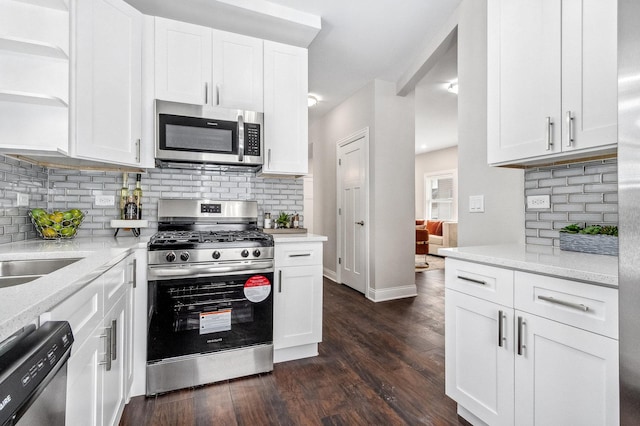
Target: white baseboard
(392, 293)
(329, 274)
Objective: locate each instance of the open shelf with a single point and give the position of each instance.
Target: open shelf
(32, 47)
(51, 4)
(32, 98)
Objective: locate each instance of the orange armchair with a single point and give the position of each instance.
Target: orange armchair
(422, 238)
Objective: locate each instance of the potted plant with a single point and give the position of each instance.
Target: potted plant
(283, 220)
(594, 239)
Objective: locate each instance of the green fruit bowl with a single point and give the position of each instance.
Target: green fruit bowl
(58, 224)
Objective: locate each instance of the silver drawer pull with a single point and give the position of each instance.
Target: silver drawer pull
(578, 306)
(471, 280)
(501, 338)
(300, 255)
(521, 345)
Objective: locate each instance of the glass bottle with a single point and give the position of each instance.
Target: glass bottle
(130, 209)
(296, 221)
(124, 194)
(137, 196)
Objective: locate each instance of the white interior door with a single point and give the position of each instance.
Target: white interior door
(353, 223)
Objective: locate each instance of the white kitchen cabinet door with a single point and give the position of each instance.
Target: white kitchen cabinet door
(106, 117)
(297, 306)
(84, 382)
(565, 376)
(552, 79)
(182, 62)
(285, 109)
(589, 73)
(237, 71)
(113, 382)
(128, 342)
(479, 372)
(523, 78)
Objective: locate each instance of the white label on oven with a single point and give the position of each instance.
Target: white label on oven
(257, 288)
(213, 322)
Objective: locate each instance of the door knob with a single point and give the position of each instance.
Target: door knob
(361, 223)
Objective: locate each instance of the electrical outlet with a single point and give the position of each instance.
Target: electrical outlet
(23, 200)
(105, 200)
(538, 202)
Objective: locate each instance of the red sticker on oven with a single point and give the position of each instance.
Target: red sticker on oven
(257, 288)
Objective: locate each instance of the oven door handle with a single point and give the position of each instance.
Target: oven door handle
(194, 271)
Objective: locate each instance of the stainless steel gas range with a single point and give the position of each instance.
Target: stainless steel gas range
(210, 294)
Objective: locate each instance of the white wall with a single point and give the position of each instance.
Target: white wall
(429, 163)
(503, 189)
(391, 151)
(392, 197)
(352, 115)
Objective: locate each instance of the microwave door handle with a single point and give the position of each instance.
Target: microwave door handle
(240, 138)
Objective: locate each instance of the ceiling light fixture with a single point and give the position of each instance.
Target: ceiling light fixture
(311, 100)
(453, 88)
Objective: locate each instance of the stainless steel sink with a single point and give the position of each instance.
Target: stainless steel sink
(14, 272)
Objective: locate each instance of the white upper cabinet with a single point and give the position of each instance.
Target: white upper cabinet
(201, 66)
(183, 62)
(552, 79)
(285, 109)
(107, 111)
(237, 71)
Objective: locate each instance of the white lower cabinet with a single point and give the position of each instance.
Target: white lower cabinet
(98, 369)
(479, 372)
(548, 358)
(297, 302)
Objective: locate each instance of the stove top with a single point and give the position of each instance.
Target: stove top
(209, 239)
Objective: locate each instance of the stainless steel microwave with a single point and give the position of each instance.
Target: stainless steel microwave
(226, 137)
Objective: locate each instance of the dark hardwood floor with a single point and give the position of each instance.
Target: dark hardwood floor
(379, 364)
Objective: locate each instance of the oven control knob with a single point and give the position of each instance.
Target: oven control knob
(244, 253)
(184, 256)
(171, 257)
(216, 254)
(256, 253)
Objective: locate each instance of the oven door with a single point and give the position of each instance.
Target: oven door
(199, 313)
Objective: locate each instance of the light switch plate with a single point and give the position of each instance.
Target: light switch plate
(538, 202)
(476, 204)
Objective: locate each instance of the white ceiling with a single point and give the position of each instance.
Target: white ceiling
(359, 40)
(437, 108)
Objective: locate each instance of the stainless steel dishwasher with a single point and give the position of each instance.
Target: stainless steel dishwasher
(33, 375)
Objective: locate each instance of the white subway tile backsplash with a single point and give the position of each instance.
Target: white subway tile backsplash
(62, 189)
(584, 193)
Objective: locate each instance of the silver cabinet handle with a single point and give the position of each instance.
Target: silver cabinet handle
(114, 339)
(240, 138)
(549, 124)
(501, 338)
(134, 277)
(218, 90)
(206, 93)
(107, 345)
(300, 255)
(280, 281)
(578, 306)
(361, 223)
(521, 345)
(569, 128)
(471, 280)
(269, 157)
(138, 142)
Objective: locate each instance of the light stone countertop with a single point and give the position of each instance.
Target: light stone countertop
(22, 304)
(298, 238)
(588, 268)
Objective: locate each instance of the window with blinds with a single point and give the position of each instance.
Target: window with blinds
(440, 197)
